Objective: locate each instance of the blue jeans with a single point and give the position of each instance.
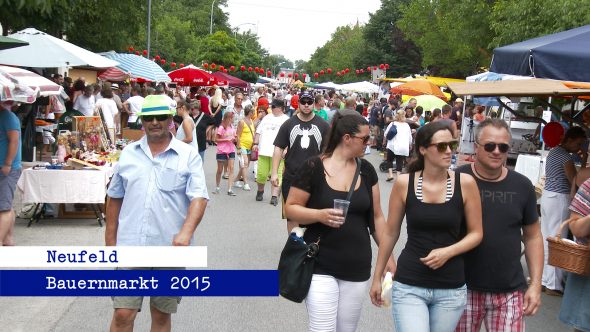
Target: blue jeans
(418, 309)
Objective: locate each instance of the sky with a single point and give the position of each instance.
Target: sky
(296, 28)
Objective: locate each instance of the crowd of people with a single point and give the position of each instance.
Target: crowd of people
(460, 267)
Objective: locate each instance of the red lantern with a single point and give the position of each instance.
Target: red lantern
(362, 71)
(329, 70)
(338, 74)
(222, 68)
(296, 76)
(144, 52)
(213, 66)
(382, 66)
(347, 70)
(369, 68)
(290, 75)
(250, 69)
(242, 67)
(282, 74)
(131, 49)
(205, 65)
(173, 65)
(358, 71)
(232, 68)
(316, 75)
(163, 61)
(268, 73)
(322, 72)
(374, 67)
(256, 69)
(136, 52)
(157, 58)
(182, 65)
(387, 66)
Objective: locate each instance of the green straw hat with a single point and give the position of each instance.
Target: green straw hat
(156, 105)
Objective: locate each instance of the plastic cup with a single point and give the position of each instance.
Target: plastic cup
(342, 205)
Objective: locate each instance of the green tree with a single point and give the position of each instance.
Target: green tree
(386, 43)
(514, 21)
(452, 35)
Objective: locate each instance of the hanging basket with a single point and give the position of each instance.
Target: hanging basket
(568, 256)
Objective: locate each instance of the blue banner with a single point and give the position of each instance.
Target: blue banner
(139, 283)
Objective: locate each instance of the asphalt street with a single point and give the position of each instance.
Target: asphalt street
(240, 233)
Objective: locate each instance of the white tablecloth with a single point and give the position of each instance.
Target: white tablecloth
(531, 166)
(63, 186)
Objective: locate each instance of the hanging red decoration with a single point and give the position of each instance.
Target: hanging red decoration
(338, 74)
(374, 67)
(316, 75)
(144, 52)
(242, 67)
(131, 49)
(136, 52)
(296, 76)
(232, 68)
(205, 65)
(387, 66)
(213, 66)
(249, 69)
(282, 74)
(347, 70)
(329, 70)
(268, 73)
(382, 66)
(358, 71)
(157, 57)
(173, 65)
(182, 65)
(322, 72)
(222, 68)
(304, 75)
(163, 61)
(256, 69)
(362, 71)
(289, 75)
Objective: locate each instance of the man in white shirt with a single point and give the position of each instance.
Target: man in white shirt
(85, 102)
(132, 107)
(266, 132)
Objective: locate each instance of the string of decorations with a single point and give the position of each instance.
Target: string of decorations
(262, 71)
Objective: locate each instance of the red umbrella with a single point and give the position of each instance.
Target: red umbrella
(192, 76)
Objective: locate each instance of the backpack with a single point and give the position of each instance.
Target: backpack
(391, 133)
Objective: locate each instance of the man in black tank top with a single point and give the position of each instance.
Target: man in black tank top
(497, 289)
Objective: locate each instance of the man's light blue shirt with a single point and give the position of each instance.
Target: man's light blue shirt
(156, 192)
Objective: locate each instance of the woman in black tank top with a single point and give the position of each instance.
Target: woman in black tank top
(443, 220)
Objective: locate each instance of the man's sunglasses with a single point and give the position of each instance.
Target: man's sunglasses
(491, 147)
(443, 146)
(150, 118)
(306, 102)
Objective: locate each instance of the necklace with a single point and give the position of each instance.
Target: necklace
(483, 177)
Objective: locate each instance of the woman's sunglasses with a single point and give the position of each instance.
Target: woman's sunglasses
(491, 147)
(150, 118)
(365, 139)
(443, 146)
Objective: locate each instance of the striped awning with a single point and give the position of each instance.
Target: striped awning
(138, 67)
(24, 86)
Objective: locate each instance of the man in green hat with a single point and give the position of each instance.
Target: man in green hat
(157, 197)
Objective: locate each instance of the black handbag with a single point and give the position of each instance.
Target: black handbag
(298, 259)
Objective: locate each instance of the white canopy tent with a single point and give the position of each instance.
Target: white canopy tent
(362, 87)
(46, 51)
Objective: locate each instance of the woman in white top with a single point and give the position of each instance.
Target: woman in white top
(186, 132)
(398, 147)
(109, 111)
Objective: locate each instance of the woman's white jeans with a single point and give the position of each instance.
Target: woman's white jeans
(554, 210)
(334, 304)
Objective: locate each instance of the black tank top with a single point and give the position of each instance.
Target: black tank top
(431, 226)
